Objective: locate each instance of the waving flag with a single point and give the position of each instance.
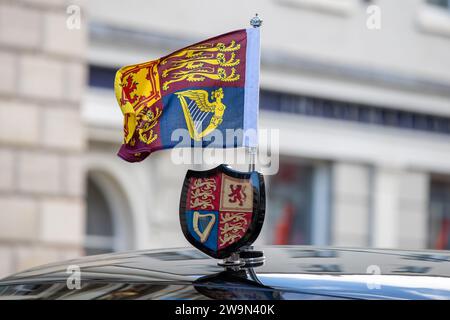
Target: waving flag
(211, 85)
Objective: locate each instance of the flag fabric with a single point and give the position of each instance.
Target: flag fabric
(209, 87)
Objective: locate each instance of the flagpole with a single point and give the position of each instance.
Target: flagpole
(255, 22)
(248, 253)
(251, 152)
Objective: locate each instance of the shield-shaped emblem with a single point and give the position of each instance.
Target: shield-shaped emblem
(222, 209)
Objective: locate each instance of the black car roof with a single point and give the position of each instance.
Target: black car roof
(287, 268)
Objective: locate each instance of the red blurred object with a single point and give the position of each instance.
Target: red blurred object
(287, 174)
(283, 227)
(442, 239)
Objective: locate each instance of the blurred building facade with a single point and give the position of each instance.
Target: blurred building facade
(42, 142)
(363, 113)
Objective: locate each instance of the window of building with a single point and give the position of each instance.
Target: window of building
(99, 223)
(103, 78)
(441, 3)
(299, 204)
(439, 222)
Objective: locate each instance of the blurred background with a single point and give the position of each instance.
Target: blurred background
(360, 91)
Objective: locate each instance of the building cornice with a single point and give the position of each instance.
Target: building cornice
(143, 40)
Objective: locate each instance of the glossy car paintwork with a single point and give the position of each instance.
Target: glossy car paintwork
(290, 272)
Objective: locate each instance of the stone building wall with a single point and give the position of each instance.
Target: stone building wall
(42, 78)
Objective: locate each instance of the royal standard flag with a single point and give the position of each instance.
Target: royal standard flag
(207, 88)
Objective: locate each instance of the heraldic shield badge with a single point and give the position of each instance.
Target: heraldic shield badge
(222, 210)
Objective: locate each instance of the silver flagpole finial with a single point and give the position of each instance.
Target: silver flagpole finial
(256, 21)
